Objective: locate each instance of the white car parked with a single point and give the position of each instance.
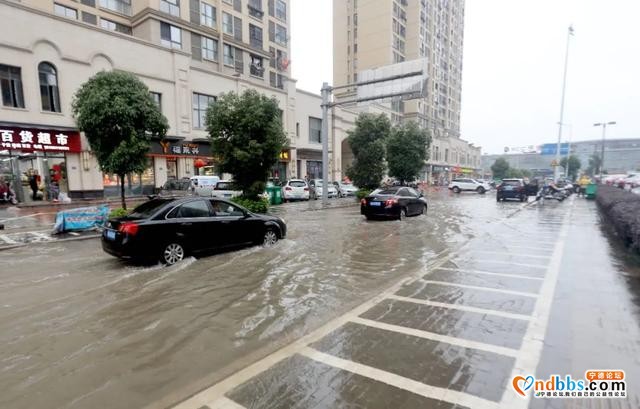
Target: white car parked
(225, 189)
(345, 189)
(317, 186)
(468, 184)
(295, 189)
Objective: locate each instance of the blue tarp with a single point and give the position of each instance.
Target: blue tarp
(84, 218)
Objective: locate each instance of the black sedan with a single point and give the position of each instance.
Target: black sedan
(395, 202)
(168, 229)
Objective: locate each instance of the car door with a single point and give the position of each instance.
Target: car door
(417, 203)
(404, 198)
(232, 227)
(191, 223)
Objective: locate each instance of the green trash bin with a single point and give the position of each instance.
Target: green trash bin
(591, 190)
(275, 194)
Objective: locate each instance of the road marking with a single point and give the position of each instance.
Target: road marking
(475, 287)
(489, 273)
(24, 217)
(533, 341)
(510, 246)
(506, 262)
(509, 254)
(419, 388)
(460, 307)
(224, 403)
(42, 235)
(7, 239)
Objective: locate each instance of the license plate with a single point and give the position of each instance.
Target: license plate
(227, 195)
(375, 204)
(111, 234)
(508, 188)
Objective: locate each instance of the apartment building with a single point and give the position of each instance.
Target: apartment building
(370, 34)
(188, 52)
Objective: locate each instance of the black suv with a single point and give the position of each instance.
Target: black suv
(511, 189)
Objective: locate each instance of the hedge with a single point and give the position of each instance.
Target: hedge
(256, 206)
(622, 209)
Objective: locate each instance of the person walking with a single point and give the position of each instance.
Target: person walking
(34, 183)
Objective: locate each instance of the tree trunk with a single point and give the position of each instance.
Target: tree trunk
(124, 203)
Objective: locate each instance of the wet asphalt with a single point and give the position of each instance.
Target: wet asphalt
(438, 311)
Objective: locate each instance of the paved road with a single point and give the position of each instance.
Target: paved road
(436, 311)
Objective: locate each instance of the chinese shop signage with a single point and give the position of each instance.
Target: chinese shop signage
(32, 139)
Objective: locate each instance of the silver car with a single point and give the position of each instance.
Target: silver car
(317, 185)
(345, 189)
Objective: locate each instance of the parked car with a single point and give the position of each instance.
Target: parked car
(225, 189)
(204, 185)
(176, 187)
(511, 189)
(169, 229)
(316, 186)
(295, 189)
(468, 184)
(345, 189)
(394, 202)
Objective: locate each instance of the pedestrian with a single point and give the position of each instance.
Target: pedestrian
(34, 183)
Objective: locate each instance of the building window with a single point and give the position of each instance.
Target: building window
(119, 6)
(171, 36)
(49, 87)
(255, 9)
(229, 55)
(89, 18)
(276, 80)
(207, 15)
(255, 36)
(281, 10)
(200, 104)
(315, 130)
(209, 49)
(113, 26)
(65, 11)
(227, 23)
(11, 84)
(297, 129)
(157, 98)
(171, 7)
(281, 35)
(257, 66)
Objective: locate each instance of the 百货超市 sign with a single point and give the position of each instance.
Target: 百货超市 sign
(34, 139)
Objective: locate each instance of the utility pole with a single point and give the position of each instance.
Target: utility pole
(556, 171)
(604, 131)
(324, 136)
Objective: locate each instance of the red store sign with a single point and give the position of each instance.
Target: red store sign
(32, 139)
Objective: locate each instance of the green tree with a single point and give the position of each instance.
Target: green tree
(118, 116)
(594, 164)
(247, 137)
(500, 168)
(367, 142)
(574, 165)
(407, 151)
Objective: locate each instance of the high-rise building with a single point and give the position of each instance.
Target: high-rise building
(369, 34)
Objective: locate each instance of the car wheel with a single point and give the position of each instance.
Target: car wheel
(403, 213)
(172, 253)
(424, 209)
(270, 238)
(497, 198)
(456, 189)
(523, 198)
(481, 190)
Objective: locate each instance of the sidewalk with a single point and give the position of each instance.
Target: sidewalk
(82, 202)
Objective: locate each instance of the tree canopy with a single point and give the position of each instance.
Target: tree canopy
(118, 116)
(367, 141)
(407, 151)
(595, 161)
(500, 168)
(247, 138)
(574, 165)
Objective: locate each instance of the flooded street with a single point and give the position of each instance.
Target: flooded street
(81, 329)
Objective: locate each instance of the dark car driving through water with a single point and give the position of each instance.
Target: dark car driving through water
(168, 229)
(394, 202)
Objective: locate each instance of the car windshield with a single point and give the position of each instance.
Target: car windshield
(174, 184)
(225, 186)
(149, 208)
(297, 183)
(388, 192)
(511, 182)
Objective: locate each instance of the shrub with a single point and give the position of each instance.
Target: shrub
(622, 209)
(118, 212)
(256, 206)
(362, 193)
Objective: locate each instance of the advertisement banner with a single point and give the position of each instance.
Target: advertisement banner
(35, 139)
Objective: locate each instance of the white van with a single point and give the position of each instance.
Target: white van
(204, 185)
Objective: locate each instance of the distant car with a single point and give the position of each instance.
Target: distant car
(345, 189)
(169, 229)
(295, 189)
(204, 185)
(225, 189)
(316, 186)
(511, 189)
(177, 187)
(468, 184)
(395, 202)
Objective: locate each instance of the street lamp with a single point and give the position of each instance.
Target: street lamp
(604, 131)
(556, 172)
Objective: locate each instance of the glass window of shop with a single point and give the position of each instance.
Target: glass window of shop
(134, 185)
(36, 176)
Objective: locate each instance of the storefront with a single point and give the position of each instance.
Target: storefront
(280, 170)
(440, 175)
(310, 163)
(34, 160)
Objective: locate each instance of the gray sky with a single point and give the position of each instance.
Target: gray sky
(513, 62)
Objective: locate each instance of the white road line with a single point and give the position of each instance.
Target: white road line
(225, 403)
(511, 246)
(509, 254)
(461, 342)
(506, 262)
(46, 237)
(489, 273)
(419, 388)
(24, 217)
(7, 239)
(533, 341)
(460, 307)
(476, 287)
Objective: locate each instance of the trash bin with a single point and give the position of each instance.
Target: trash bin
(275, 194)
(591, 191)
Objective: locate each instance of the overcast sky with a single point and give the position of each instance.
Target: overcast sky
(513, 61)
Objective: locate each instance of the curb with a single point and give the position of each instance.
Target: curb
(15, 246)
